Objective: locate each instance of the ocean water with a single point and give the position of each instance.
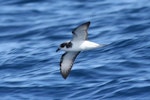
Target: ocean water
(31, 31)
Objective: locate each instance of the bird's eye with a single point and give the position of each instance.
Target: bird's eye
(62, 45)
(69, 45)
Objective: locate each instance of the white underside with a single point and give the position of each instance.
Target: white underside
(82, 46)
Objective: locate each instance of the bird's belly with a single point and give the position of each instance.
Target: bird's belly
(74, 49)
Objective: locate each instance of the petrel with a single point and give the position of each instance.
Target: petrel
(78, 43)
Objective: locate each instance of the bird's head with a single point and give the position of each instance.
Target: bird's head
(64, 46)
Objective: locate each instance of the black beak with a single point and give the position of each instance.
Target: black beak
(57, 50)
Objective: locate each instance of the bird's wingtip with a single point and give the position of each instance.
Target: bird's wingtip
(87, 23)
(64, 75)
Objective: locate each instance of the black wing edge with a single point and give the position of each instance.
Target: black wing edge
(65, 75)
(87, 23)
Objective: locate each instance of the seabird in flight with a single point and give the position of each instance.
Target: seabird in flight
(72, 48)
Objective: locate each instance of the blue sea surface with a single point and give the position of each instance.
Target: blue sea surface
(31, 31)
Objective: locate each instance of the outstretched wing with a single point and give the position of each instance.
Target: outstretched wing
(66, 63)
(80, 33)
